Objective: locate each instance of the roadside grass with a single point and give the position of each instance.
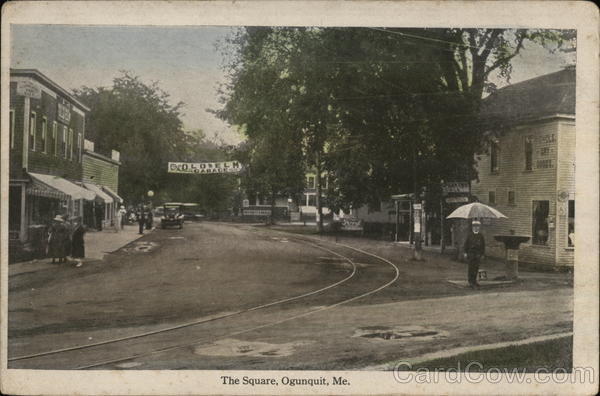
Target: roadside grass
(550, 355)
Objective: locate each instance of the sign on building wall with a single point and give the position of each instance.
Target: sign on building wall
(63, 112)
(88, 145)
(545, 151)
(29, 89)
(205, 167)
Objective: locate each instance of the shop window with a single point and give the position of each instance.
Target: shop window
(528, 153)
(571, 224)
(44, 134)
(492, 197)
(511, 198)
(539, 219)
(310, 182)
(63, 143)
(32, 121)
(494, 154)
(11, 128)
(54, 138)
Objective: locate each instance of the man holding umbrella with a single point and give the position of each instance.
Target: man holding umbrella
(474, 249)
(475, 244)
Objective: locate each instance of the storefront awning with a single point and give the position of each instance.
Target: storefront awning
(99, 193)
(39, 189)
(113, 194)
(64, 186)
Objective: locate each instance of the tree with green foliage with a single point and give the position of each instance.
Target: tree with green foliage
(138, 120)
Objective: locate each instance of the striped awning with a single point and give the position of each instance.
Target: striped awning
(64, 186)
(38, 189)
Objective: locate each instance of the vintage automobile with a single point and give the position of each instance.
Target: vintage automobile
(192, 212)
(172, 215)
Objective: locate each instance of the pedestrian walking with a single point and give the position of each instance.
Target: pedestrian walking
(475, 250)
(141, 220)
(77, 240)
(149, 219)
(121, 217)
(58, 240)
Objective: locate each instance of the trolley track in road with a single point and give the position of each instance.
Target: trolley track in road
(170, 329)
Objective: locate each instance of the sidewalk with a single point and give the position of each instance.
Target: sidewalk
(97, 245)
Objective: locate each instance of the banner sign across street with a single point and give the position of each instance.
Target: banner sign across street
(205, 167)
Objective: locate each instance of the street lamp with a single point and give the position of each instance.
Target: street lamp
(150, 195)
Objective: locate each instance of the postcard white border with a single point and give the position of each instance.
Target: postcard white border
(579, 15)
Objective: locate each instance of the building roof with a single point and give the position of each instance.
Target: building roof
(549, 95)
(48, 83)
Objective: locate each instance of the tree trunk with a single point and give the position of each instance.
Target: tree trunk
(272, 216)
(318, 194)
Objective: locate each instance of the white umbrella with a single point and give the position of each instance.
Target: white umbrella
(476, 210)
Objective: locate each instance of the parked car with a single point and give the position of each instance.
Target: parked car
(172, 215)
(191, 212)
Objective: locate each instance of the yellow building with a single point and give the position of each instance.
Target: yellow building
(528, 171)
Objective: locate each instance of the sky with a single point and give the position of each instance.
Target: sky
(184, 60)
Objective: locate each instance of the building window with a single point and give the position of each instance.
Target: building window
(70, 144)
(494, 152)
(539, 220)
(32, 121)
(528, 153)
(492, 197)
(571, 224)
(79, 147)
(310, 182)
(54, 138)
(63, 143)
(44, 134)
(511, 197)
(312, 200)
(11, 128)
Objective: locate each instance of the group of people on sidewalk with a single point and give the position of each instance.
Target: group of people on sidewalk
(66, 238)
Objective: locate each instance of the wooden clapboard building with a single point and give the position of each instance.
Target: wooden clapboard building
(528, 171)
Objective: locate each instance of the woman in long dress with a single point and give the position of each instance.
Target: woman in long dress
(77, 241)
(58, 239)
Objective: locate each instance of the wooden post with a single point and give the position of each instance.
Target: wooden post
(397, 205)
(442, 240)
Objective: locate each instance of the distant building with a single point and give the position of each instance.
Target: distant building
(101, 175)
(528, 172)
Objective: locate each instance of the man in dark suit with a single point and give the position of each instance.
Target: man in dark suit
(141, 218)
(474, 249)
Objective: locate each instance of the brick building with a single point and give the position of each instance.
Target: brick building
(528, 172)
(46, 172)
(47, 129)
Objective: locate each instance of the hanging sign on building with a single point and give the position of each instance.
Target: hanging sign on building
(455, 187)
(457, 199)
(205, 167)
(29, 89)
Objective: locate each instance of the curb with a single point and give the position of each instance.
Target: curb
(459, 351)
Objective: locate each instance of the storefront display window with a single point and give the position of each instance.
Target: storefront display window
(571, 224)
(540, 212)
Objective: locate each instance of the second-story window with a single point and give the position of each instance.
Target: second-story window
(70, 144)
(492, 197)
(528, 153)
(54, 138)
(63, 143)
(79, 140)
(44, 135)
(32, 121)
(494, 154)
(11, 128)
